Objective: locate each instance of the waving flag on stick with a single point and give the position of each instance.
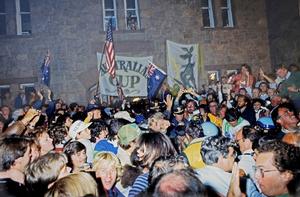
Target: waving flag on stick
(156, 76)
(110, 51)
(45, 69)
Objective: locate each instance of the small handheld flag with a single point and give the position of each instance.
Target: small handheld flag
(156, 76)
(45, 69)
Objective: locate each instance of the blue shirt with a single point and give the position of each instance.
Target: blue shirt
(105, 145)
(114, 192)
(140, 184)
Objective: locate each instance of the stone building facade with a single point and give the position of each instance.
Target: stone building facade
(284, 28)
(73, 31)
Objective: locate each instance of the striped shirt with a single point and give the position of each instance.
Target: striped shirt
(140, 184)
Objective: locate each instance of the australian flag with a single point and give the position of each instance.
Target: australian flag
(156, 76)
(45, 69)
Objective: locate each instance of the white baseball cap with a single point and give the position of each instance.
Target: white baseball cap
(124, 115)
(77, 127)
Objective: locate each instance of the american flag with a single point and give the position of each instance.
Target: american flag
(110, 51)
(150, 69)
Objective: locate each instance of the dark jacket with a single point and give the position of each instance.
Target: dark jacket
(249, 115)
(10, 188)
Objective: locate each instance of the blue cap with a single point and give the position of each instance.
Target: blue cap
(91, 107)
(209, 129)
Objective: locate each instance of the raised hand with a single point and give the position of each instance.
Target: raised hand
(261, 72)
(169, 102)
(234, 188)
(30, 114)
(180, 92)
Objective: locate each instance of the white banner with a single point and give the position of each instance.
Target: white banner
(130, 73)
(183, 62)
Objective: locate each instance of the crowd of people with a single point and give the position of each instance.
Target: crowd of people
(239, 136)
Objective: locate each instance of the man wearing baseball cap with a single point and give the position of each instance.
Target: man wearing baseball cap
(127, 136)
(178, 122)
(79, 131)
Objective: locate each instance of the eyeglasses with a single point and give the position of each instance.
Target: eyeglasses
(261, 172)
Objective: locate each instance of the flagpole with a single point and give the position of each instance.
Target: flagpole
(98, 80)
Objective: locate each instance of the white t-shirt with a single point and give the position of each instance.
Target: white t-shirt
(89, 149)
(229, 131)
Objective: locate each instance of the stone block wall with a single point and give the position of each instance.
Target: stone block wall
(73, 32)
(284, 27)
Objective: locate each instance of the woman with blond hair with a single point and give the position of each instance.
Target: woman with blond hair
(74, 185)
(108, 167)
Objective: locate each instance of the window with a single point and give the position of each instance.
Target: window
(23, 17)
(27, 86)
(2, 18)
(132, 15)
(213, 76)
(226, 13)
(207, 13)
(4, 91)
(110, 12)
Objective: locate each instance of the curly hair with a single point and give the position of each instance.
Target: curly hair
(96, 128)
(155, 117)
(213, 147)
(194, 130)
(164, 165)
(58, 133)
